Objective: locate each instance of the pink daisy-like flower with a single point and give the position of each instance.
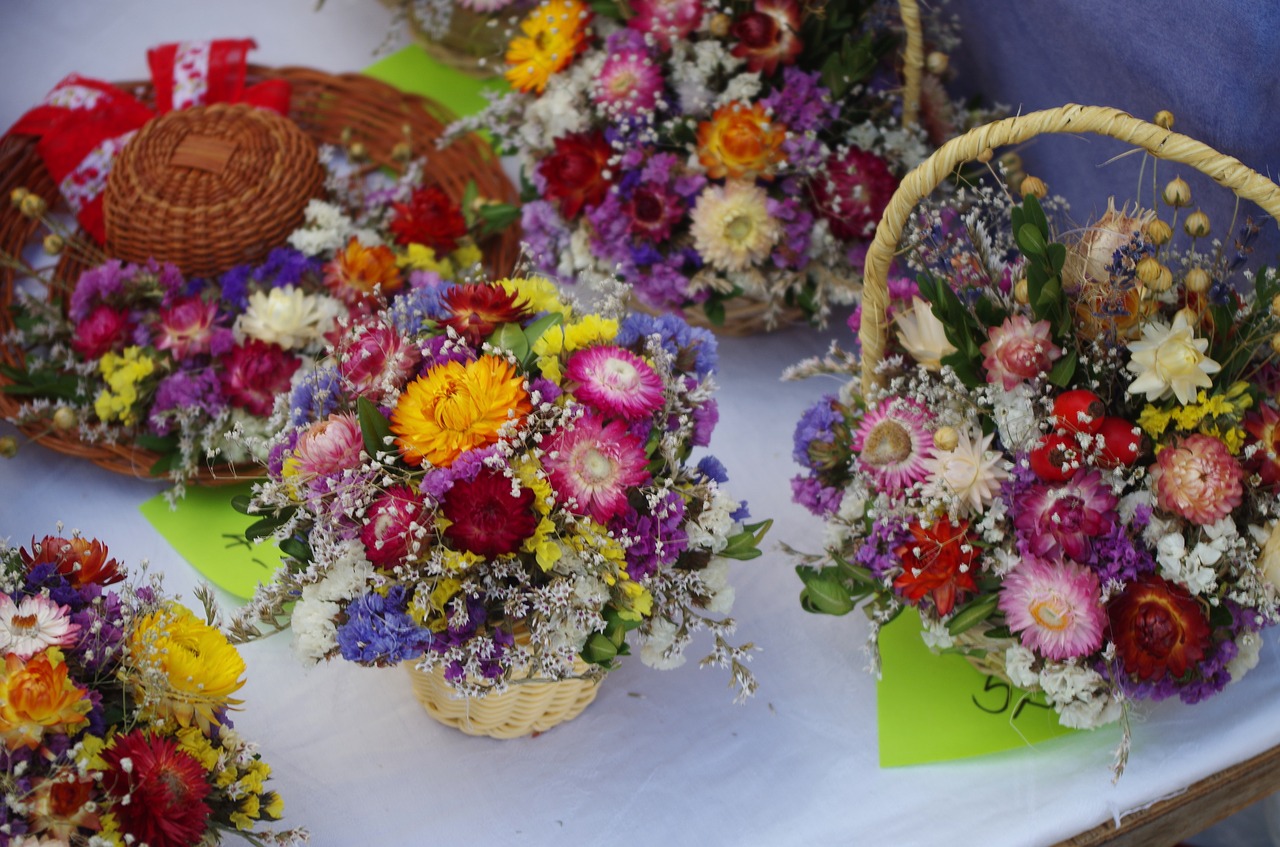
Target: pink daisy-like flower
(1197, 479)
(666, 20)
(392, 525)
(1059, 521)
(1055, 607)
(593, 464)
(33, 624)
(892, 444)
(328, 447)
(629, 84)
(1017, 351)
(375, 360)
(615, 381)
(186, 328)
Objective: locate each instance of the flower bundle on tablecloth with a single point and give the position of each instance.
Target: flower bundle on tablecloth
(708, 152)
(114, 705)
(1070, 467)
(489, 480)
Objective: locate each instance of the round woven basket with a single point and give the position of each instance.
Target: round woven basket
(326, 107)
(210, 188)
(1072, 118)
(527, 706)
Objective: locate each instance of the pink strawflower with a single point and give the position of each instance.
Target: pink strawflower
(1058, 521)
(666, 20)
(186, 328)
(593, 464)
(892, 444)
(255, 373)
(375, 360)
(327, 448)
(392, 525)
(617, 382)
(1018, 350)
(1055, 607)
(654, 210)
(629, 84)
(1197, 479)
(103, 330)
(34, 624)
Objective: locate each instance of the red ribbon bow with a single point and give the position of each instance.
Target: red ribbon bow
(83, 124)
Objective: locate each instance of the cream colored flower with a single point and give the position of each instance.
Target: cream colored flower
(922, 335)
(1170, 360)
(1269, 561)
(731, 225)
(972, 472)
(1093, 254)
(288, 316)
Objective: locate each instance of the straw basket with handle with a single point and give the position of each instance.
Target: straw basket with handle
(986, 653)
(324, 109)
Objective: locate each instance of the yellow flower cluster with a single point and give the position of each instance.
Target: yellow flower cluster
(419, 257)
(542, 543)
(239, 773)
(123, 373)
(1217, 416)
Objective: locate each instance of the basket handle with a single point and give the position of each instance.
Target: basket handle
(1071, 118)
(912, 61)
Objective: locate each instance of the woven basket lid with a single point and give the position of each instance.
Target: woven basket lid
(210, 188)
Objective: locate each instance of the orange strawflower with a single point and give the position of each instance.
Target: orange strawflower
(81, 560)
(740, 141)
(456, 407)
(554, 33)
(357, 272)
(36, 696)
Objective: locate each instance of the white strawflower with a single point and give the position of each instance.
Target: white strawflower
(922, 335)
(1169, 359)
(972, 472)
(288, 316)
(731, 225)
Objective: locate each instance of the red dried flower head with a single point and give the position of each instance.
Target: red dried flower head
(653, 210)
(486, 518)
(938, 561)
(166, 788)
(81, 560)
(391, 526)
(431, 219)
(105, 329)
(852, 192)
(1264, 425)
(575, 172)
(1158, 627)
(476, 309)
(254, 373)
(769, 35)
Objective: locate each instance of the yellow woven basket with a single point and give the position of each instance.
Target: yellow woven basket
(526, 707)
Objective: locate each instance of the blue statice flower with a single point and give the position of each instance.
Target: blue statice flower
(315, 396)
(677, 338)
(379, 630)
(713, 469)
(817, 423)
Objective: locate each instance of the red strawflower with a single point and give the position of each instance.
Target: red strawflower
(1264, 425)
(254, 373)
(486, 518)
(166, 788)
(81, 560)
(938, 561)
(392, 524)
(575, 172)
(852, 195)
(653, 210)
(476, 310)
(431, 219)
(1158, 628)
(105, 329)
(769, 35)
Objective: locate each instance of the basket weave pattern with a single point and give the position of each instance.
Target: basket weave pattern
(326, 108)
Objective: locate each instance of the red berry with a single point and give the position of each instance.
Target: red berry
(1078, 410)
(1122, 443)
(1055, 458)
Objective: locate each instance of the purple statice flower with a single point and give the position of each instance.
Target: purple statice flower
(102, 625)
(436, 482)
(235, 287)
(99, 285)
(286, 266)
(676, 337)
(664, 285)
(802, 102)
(713, 469)
(877, 551)
(44, 577)
(626, 39)
(547, 391)
(817, 423)
(705, 417)
(379, 631)
(741, 513)
(822, 500)
(797, 224)
(610, 223)
(281, 449)
(805, 154)
(315, 396)
(194, 389)
(545, 234)
(1116, 556)
(439, 349)
(659, 168)
(657, 538)
(171, 282)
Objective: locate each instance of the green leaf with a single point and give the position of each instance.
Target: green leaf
(856, 573)
(1035, 215)
(495, 217)
(511, 337)
(1031, 241)
(599, 650)
(988, 312)
(972, 613)
(966, 369)
(823, 594)
(1057, 257)
(296, 548)
(469, 202)
(374, 427)
(746, 544)
(241, 503)
(1063, 370)
(264, 527)
(159, 444)
(714, 310)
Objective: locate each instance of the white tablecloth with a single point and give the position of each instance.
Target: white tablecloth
(663, 758)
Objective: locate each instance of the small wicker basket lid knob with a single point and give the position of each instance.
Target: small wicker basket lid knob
(210, 188)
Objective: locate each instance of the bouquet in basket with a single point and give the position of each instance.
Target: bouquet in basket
(488, 481)
(114, 703)
(139, 353)
(705, 153)
(1068, 461)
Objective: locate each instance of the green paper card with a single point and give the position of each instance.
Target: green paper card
(934, 708)
(209, 534)
(412, 70)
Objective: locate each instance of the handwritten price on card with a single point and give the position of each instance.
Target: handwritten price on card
(995, 688)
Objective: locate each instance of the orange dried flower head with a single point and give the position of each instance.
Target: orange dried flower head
(358, 273)
(81, 560)
(37, 696)
(740, 141)
(552, 34)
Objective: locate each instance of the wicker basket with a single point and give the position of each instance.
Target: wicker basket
(527, 706)
(210, 188)
(325, 107)
(1159, 142)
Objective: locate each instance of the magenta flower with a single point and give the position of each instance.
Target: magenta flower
(393, 526)
(375, 360)
(104, 329)
(1060, 521)
(1018, 350)
(852, 191)
(186, 328)
(1197, 479)
(666, 20)
(892, 444)
(1056, 608)
(592, 465)
(653, 210)
(629, 84)
(255, 373)
(617, 382)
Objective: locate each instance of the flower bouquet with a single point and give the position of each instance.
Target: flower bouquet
(114, 704)
(494, 487)
(1066, 458)
(143, 369)
(730, 162)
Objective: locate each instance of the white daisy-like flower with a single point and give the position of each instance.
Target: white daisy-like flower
(922, 335)
(1169, 359)
(972, 472)
(289, 317)
(731, 225)
(1015, 415)
(34, 624)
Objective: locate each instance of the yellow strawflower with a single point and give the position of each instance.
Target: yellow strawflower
(552, 34)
